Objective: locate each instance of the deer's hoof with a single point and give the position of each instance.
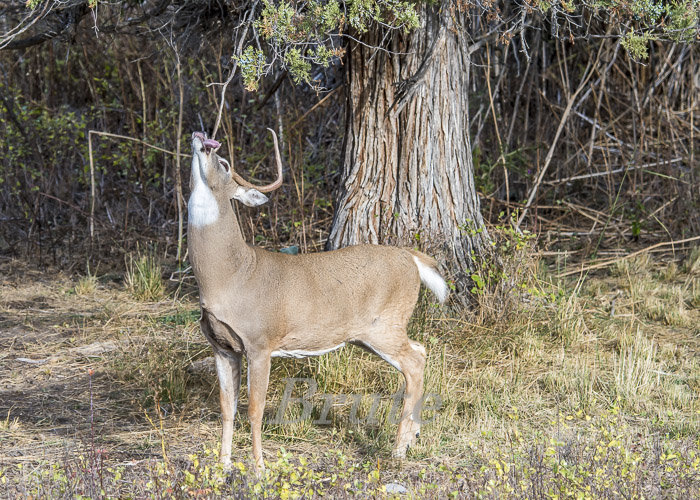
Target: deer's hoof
(226, 463)
(400, 452)
(259, 468)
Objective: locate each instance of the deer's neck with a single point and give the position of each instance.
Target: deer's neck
(218, 253)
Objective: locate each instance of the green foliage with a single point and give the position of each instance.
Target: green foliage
(486, 169)
(483, 178)
(676, 20)
(39, 148)
(299, 67)
(636, 45)
(503, 269)
(646, 9)
(33, 4)
(682, 24)
(364, 13)
(303, 35)
(280, 23)
(299, 36)
(579, 456)
(57, 135)
(252, 63)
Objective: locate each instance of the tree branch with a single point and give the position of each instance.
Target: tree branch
(63, 19)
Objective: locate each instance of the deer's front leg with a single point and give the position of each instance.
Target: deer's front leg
(228, 368)
(258, 378)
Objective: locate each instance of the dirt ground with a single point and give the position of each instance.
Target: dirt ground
(58, 392)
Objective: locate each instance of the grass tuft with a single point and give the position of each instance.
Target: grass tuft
(10, 424)
(692, 262)
(143, 277)
(659, 301)
(86, 284)
(636, 371)
(568, 323)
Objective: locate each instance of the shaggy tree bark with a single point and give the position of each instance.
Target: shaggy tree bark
(407, 176)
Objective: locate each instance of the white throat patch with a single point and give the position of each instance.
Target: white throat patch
(202, 209)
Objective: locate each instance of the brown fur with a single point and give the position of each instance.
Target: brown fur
(255, 302)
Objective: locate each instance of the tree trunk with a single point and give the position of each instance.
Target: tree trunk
(407, 176)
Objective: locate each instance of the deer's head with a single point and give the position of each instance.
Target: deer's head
(212, 173)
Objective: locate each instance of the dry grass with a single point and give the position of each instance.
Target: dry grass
(143, 277)
(527, 398)
(86, 285)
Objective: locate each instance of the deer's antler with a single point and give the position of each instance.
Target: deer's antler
(268, 187)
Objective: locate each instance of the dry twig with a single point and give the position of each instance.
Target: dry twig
(625, 257)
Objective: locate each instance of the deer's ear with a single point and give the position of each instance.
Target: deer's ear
(249, 197)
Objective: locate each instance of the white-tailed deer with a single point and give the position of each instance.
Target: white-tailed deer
(264, 304)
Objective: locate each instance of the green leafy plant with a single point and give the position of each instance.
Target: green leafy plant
(252, 63)
(637, 44)
(303, 35)
(504, 270)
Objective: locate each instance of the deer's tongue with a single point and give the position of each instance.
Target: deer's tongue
(211, 143)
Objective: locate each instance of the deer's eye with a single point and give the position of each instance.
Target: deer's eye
(224, 164)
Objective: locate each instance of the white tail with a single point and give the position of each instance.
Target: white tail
(264, 304)
(431, 278)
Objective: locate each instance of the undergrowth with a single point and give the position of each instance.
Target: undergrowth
(576, 456)
(585, 388)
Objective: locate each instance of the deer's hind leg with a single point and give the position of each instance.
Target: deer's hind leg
(408, 357)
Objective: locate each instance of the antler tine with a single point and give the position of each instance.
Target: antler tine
(268, 187)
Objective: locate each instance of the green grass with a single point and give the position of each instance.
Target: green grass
(143, 277)
(181, 317)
